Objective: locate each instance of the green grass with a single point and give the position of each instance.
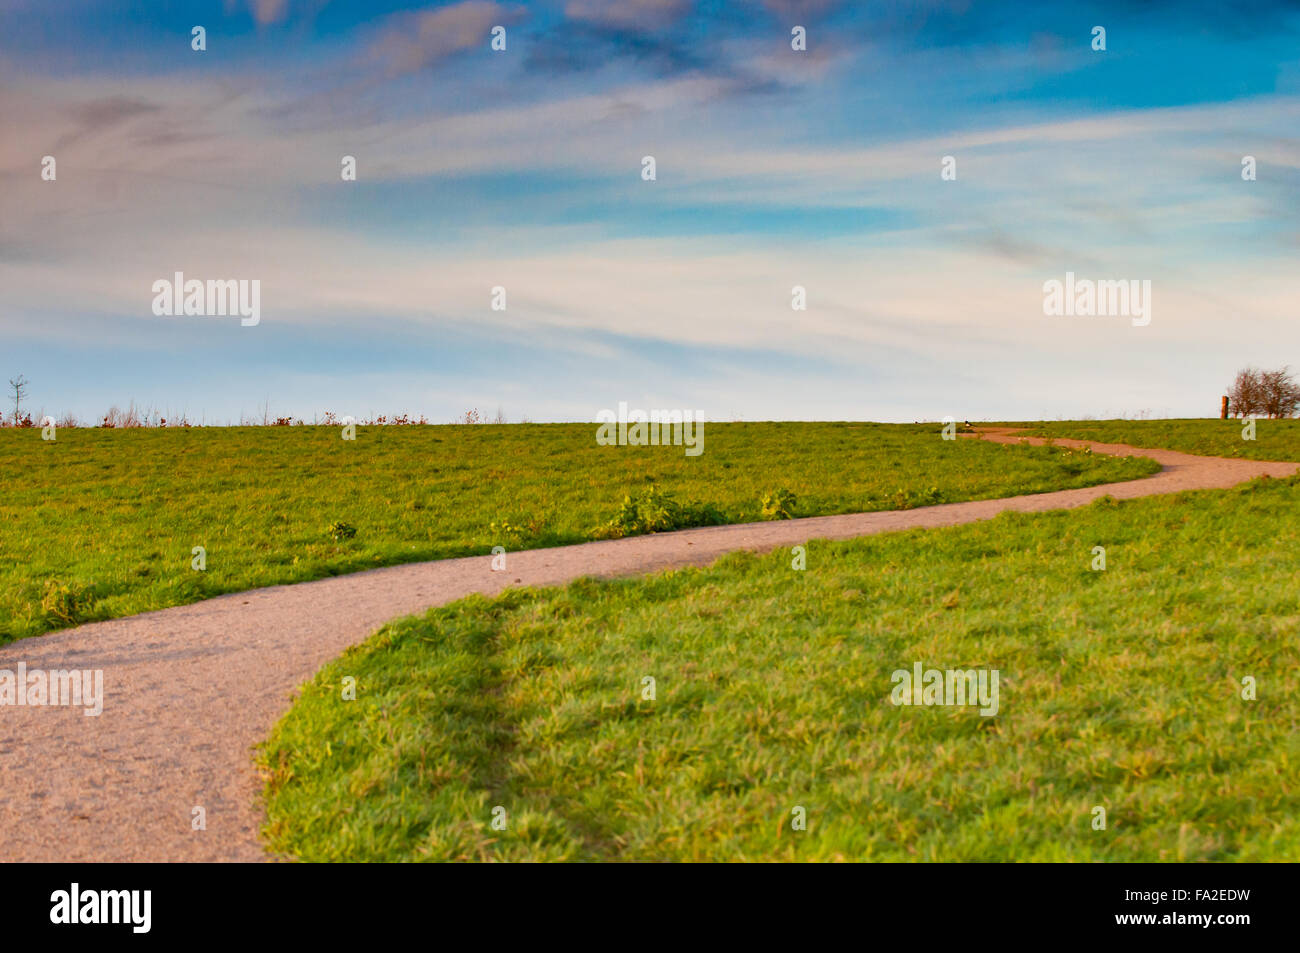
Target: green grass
(101, 523)
(1119, 688)
(1274, 439)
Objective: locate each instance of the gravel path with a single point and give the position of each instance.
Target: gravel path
(189, 691)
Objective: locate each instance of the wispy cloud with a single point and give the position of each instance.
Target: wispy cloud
(96, 115)
(415, 41)
(643, 14)
(269, 11)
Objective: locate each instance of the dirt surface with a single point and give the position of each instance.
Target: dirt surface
(190, 691)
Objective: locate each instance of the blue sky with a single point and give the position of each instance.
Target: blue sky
(521, 169)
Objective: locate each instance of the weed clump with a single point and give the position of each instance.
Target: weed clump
(65, 603)
(518, 530)
(910, 499)
(340, 531)
(779, 505)
(655, 511)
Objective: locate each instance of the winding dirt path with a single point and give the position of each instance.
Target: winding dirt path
(189, 691)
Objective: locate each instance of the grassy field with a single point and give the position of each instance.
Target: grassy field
(102, 523)
(1274, 439)
(1119, 688)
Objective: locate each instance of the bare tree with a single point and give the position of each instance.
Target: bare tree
(1264, 393)
(1246, 395)
(19, 385)
(1281, 393)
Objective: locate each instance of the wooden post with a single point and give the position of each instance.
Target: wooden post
(1223, 409)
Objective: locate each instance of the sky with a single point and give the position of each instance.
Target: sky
(522, 169)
